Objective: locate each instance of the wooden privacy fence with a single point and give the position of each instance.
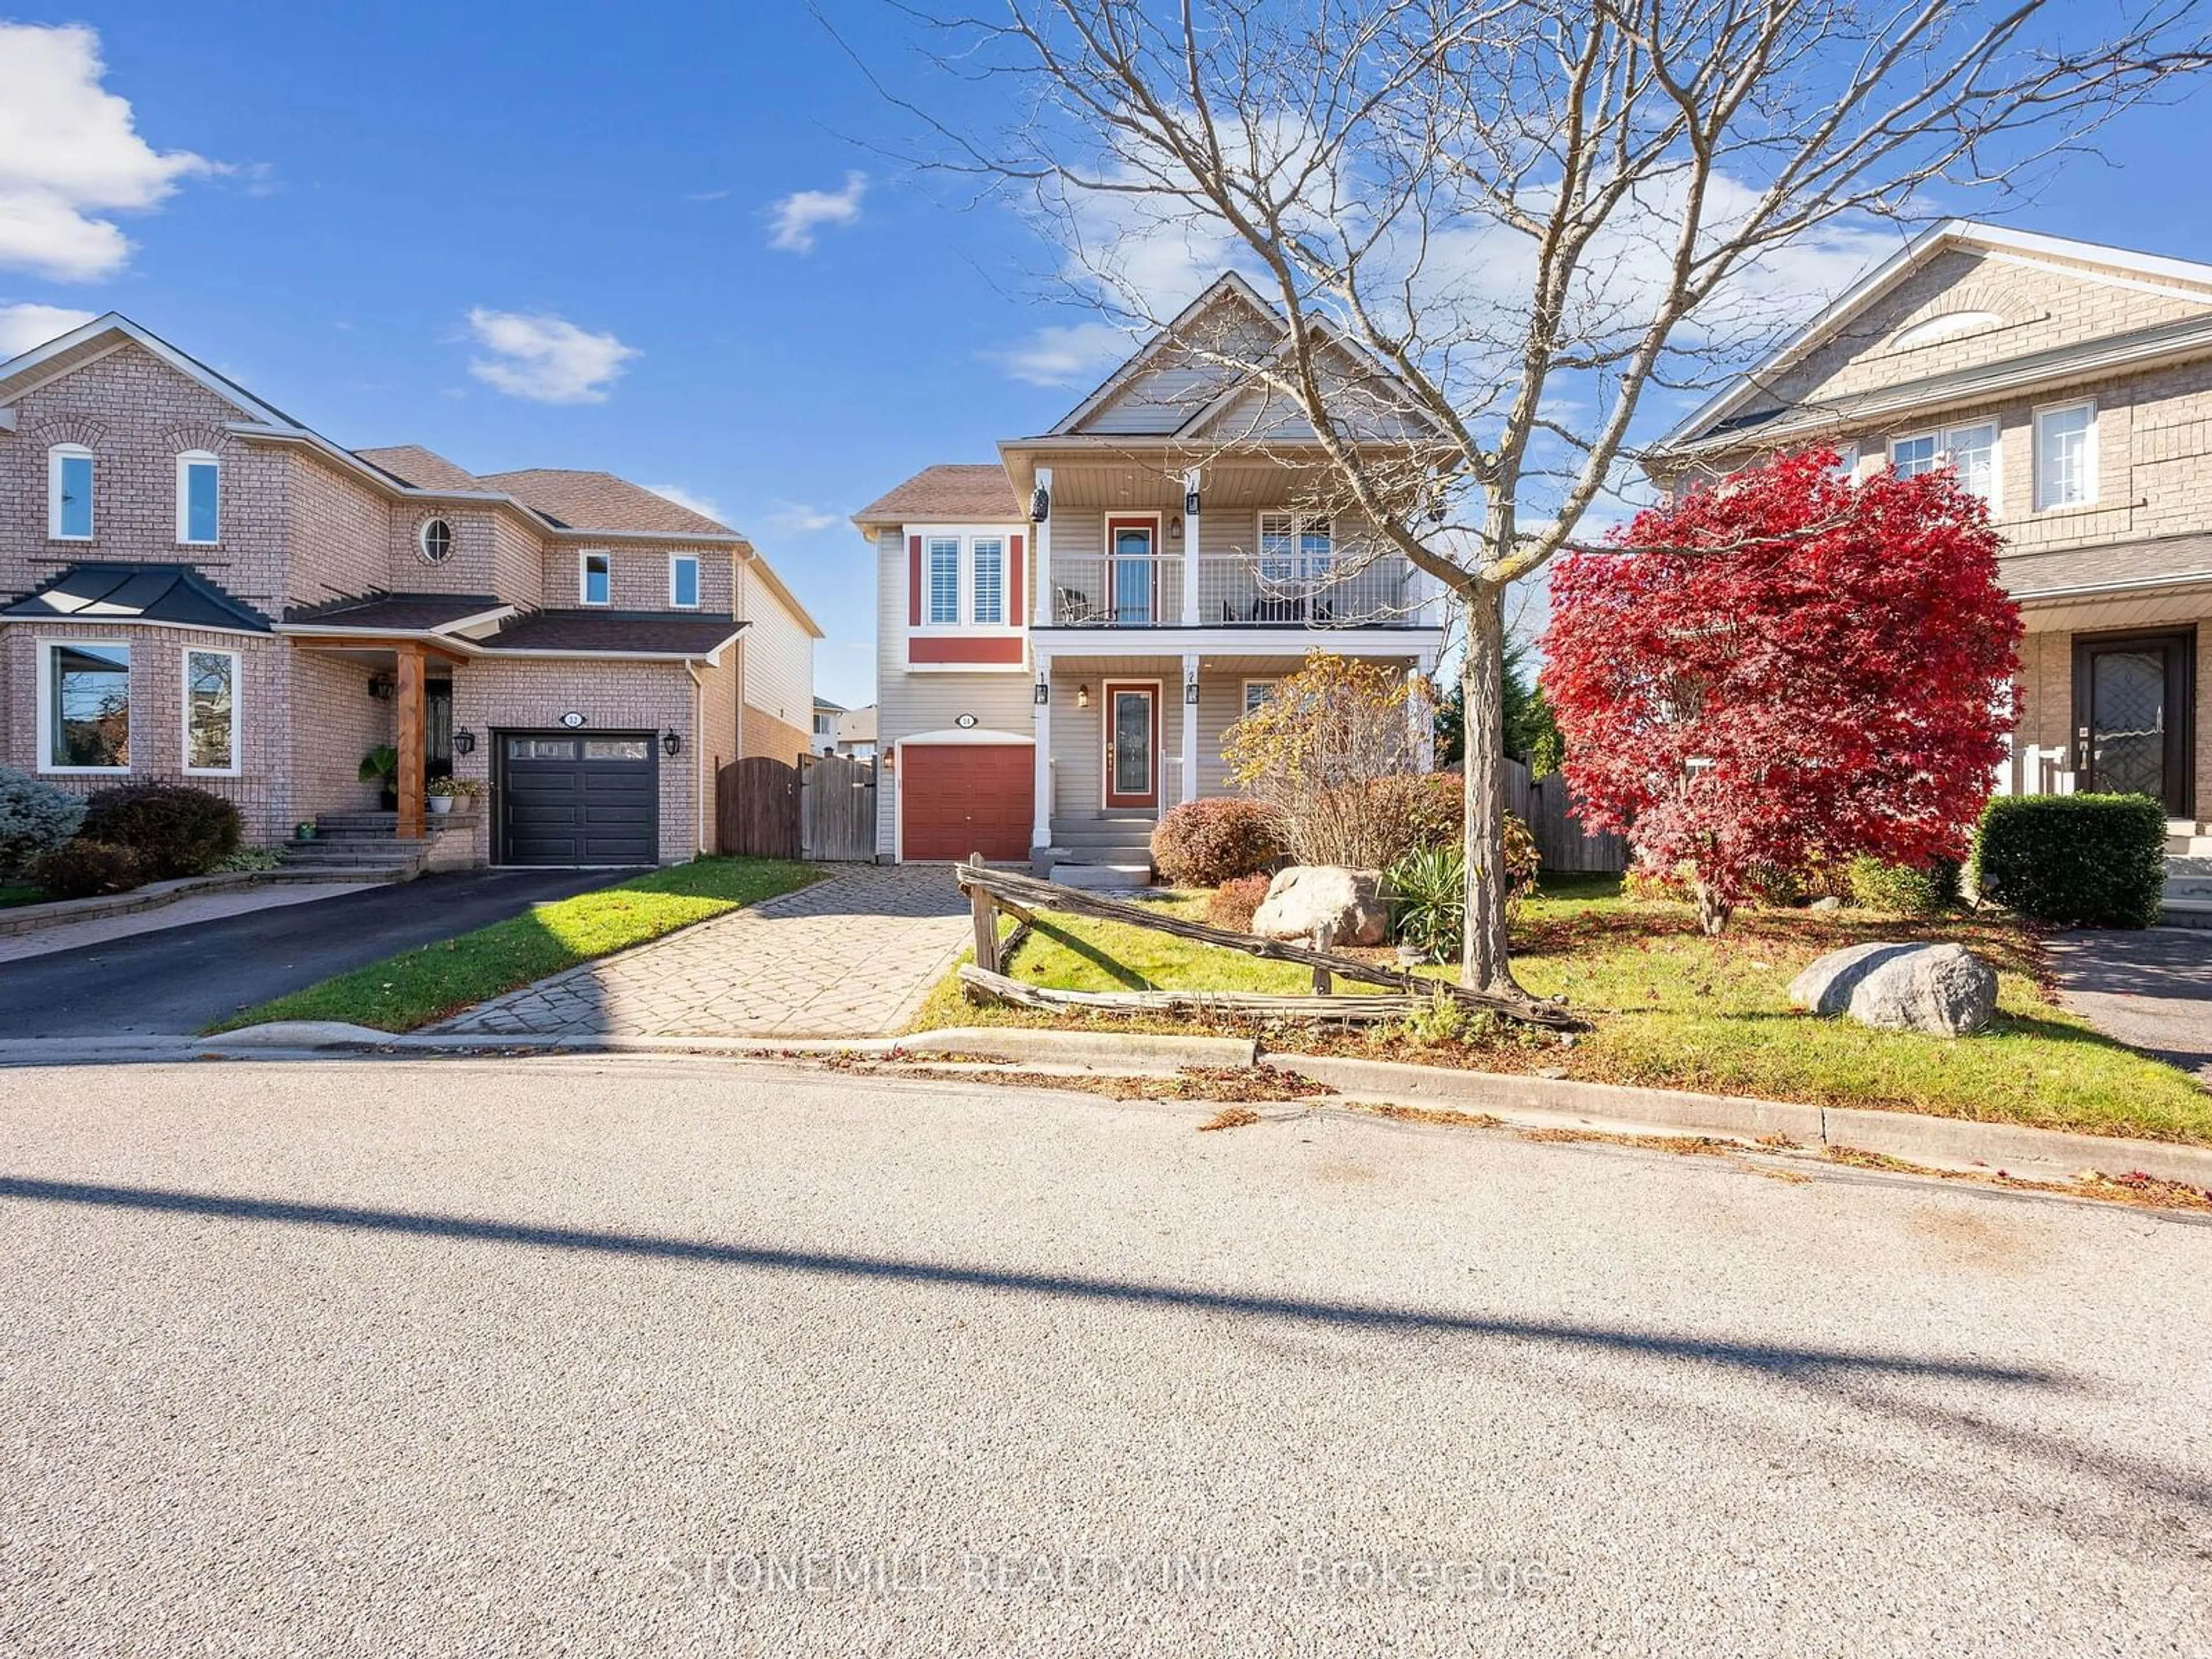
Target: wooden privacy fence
(838, 809)
(757, 808)
(1542, 805)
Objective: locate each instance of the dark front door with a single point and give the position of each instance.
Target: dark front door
(2133, 712)
(1133, 745)
(566, 798)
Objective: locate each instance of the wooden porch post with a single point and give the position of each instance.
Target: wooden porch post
(413, 710)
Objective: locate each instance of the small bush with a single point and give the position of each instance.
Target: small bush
(35, 817)
(1646, 883)
(249, 859)
(1433, 806)
(1902, 890)
(82, 869)
(2078, 860)
(175, 829)
(1203, 843)
(1236, 902)
(1427, 890)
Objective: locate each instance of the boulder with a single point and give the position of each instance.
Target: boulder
(1305, 898)
(1943, 988)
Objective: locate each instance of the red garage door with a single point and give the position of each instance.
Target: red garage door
(956, 798)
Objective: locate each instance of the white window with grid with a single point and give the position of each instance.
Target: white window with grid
(2065, 456)
(941, 556)
(1970, 450)
(988, 558)
(1296, 547)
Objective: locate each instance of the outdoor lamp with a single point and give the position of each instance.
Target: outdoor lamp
(1190, 692)
(1043, 694)
(1190, 502)
(382, 686)
(1175, 529)
(670, 745)
(1039, 505)
(465, 742)
(1083, 696)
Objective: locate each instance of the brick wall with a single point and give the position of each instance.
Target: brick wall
(767, 735)
(639, 576)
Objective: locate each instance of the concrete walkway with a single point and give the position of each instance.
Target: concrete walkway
(2151, 989)
(852, 956)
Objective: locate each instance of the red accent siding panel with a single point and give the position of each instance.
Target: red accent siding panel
(924, 648)
(958, 799)
(1017, 570)
(914, 581)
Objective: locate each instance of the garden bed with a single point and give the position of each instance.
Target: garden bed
(1675, 1009)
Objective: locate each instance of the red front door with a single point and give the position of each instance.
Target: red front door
(1132, 745)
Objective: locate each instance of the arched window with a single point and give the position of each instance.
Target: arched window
(199, 498)
(68, 493)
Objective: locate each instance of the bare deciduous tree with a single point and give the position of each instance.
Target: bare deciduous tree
(1522, 221)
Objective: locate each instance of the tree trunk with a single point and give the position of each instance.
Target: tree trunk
(1483, 961)
(1713, 910)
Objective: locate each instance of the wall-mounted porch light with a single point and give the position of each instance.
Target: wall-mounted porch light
(1039, 505)
(1083, 696)
(1175, 528)
(1043, 694)
(1190, 692)
(465, 742)
(670, 745)
(1190, 502)
(383, 687)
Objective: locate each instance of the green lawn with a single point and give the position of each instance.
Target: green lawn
(15, 893)
(417, 986)
(1676, 1010)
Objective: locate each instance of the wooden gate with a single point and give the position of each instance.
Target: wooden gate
(757, 808)
(838, 809)
(1542, 805)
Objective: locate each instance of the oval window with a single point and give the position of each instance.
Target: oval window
(434, 541)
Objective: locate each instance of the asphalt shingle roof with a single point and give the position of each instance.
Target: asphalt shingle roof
(952, 492)
(425, 469)
(617, 633)
(600, 501)
(402, 612)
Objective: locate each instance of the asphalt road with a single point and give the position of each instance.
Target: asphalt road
(598, 1357)
(182, 979)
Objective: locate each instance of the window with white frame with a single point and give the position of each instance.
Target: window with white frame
(1970, 450)
(1847, 463)
(1296, 547)
(683, 580)
(84, 707)
(1258, 694)
(199, 503)
(2065, 455)
(68, 493)
(941, 556)
(211, 713)
(595, 578)
(988, 579)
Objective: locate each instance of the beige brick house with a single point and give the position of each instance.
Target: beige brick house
(2071, 385)
(1065, 633)
(194, 586)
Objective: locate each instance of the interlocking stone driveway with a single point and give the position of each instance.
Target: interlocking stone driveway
(849, 956)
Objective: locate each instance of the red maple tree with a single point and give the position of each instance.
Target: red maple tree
(1784, 667)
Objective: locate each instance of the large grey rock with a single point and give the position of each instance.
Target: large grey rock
(1305, 898)
(1943, 988)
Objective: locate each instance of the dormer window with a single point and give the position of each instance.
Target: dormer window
(595, 579)
(68, 493)
(199, 504)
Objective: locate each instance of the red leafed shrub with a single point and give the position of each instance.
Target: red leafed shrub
(1788, 667)
(1203, 843)
(1236, 902)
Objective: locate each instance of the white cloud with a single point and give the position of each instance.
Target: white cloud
(1076, 355)
(703, 505)
(793, 219)
(25, 325)
(799, 519)
(548, 360)
(70, 152)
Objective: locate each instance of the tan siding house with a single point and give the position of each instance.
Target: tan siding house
(194, 586)
(2071, 384)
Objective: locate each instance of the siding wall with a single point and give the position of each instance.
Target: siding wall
(779, 673)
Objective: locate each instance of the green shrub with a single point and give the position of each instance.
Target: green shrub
(35, 817)
(1428, 900)
(1902, 890)
(81, 869)
(175, 829)
(1236, 902)
(252, 860)
(1203, 843)
(2078, 860)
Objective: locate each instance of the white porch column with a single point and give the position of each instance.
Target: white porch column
(1041, 803)
(1041, 600)
(1190, 569)
(1189, 721)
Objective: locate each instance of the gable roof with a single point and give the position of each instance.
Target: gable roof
(600, 501)
(1227, 286)
(95, 339)
(962, 493)
(425, 469)
(1714, 417)
(172, 593)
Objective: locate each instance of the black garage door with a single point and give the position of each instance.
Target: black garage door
(566, 798)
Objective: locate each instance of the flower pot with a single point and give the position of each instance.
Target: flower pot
(440, 805)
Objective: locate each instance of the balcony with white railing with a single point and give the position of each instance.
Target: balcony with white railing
(1234, 590)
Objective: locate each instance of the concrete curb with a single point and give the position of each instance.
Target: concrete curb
(1958, 1143)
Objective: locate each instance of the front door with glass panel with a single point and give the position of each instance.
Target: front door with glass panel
(1135, 573)
(2132, 717)
(1133, 745)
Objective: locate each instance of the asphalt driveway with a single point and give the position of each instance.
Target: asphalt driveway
(182, 979)
(2150, 988)
(637, 1357)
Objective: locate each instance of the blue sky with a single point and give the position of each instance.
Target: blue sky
(380, 175)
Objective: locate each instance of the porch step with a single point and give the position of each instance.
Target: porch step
(2187, 913)
(1112, 877)
(2188, 847)
(364, 842)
